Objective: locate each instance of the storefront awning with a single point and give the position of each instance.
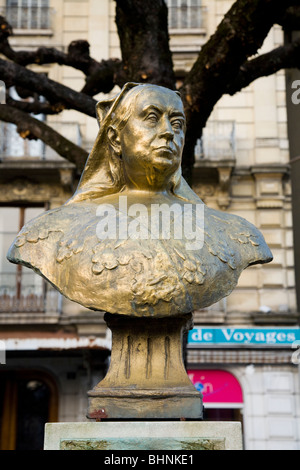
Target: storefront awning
(217, 386)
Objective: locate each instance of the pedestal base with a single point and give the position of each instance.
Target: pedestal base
(173, 435)
(145, 404)
(146, 378)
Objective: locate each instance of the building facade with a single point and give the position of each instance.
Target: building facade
(242, 352)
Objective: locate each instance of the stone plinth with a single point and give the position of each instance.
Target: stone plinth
(167, 435)
(146, 378)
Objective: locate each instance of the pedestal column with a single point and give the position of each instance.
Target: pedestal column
(146, 378)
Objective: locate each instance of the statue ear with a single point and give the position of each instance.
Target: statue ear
(114, 140)
(103, 108)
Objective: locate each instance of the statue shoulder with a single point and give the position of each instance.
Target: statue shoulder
(39, 228)
(237, 235)
(54, 233)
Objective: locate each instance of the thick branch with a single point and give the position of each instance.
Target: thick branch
(34, 107)
(14, 74)
(77, 56)
(283, 57)
(101, 76)
(107, 74)
(31, 128)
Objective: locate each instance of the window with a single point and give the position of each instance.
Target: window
(12, 144)
(218, 141)
(28, 14)
(185, 14)
(21, 290)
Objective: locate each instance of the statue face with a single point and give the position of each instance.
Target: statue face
(153, 137)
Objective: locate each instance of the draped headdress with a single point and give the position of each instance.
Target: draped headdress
(103, 172)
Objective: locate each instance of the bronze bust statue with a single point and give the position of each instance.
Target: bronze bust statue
(104, 248)
(136, 242)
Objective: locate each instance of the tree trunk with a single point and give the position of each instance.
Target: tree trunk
(143, 32)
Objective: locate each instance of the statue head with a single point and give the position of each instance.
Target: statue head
(147, 133)
(139, 144)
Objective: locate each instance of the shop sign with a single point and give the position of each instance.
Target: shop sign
(244, 336)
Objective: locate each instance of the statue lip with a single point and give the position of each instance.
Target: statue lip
(165, 148)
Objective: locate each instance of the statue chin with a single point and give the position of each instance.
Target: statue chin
(164, 165)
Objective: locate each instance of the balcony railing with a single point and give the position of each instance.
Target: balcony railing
(30, 18)
(186, 15)
(13, 146)
(218, 141)
(29, 295)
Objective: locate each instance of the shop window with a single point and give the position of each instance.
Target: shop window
(21, 290)
(28, 401)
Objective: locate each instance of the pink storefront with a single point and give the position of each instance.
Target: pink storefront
(222, 394)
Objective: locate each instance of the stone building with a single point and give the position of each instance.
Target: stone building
(240, 353)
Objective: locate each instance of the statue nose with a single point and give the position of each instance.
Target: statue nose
(168, 135)
(167, 130)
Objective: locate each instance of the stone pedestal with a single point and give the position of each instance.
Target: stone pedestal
(146, 378)
(107, 436)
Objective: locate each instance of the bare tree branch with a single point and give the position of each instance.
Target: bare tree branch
(101, 76)
(31, 128)
(103, 79)
(239, 36)
(78, 55)
(14, 74)
(283, 57)
(34, 107)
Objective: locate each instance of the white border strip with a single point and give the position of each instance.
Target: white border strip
(34, 344)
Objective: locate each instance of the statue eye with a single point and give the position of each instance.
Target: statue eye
(177, 124)
(152, 117)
